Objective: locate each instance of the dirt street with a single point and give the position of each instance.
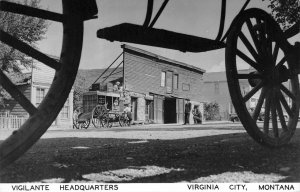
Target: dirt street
(168, 153)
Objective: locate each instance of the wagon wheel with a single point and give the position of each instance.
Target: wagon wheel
(98, 112)
(74, 13)
(123, 120)
(106, 121)
(257, 41)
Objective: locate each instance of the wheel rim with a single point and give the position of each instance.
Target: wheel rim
(97, 115)
(66, 69)
(257, 41)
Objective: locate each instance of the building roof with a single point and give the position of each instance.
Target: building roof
(161, 58)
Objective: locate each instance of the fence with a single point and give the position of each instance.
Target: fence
(11, 122)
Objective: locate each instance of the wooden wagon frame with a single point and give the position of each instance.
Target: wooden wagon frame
(98, 110)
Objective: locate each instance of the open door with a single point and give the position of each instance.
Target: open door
(158, 109)
(180, 110)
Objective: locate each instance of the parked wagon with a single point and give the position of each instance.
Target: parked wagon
(98, 109)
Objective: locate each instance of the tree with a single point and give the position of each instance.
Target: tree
(27, 29)
(79, 88)
(212, 111)
(286, 12)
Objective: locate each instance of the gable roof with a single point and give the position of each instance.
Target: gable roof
(164, 59)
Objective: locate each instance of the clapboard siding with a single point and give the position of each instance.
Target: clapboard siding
(15, 108)
(143, 75)
(42, 73)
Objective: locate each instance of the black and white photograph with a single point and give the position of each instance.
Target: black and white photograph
(185, 95)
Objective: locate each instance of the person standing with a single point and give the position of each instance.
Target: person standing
(187, 111)
(127, 111)
(116, 86)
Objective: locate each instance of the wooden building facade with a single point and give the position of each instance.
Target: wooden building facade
(35, 86)
(158, 87)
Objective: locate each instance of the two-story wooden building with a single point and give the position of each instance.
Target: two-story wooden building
(35, 85)
(158, 87)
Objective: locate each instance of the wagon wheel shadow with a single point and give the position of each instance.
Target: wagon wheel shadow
(202, 159)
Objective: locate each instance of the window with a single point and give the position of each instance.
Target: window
(40, 95)
(175, 81)
(163, 79)
(101, 100)
(64, 113)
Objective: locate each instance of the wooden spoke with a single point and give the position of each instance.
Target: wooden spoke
(280, 114)
(248, 60)
(23, 47)
(288, 92)
(258, 41)
(249, 46)
(275, 53)
(267, 112)
(259, 104)
(285, 105)
(30, 11)
(249, 76)
(281, 62)
(274, 114)
(253, 35)
(253, 91)
(16, 94)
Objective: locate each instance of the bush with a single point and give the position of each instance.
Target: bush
(212, 111)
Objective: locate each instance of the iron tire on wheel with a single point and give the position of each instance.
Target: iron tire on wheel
(263, 41)
(97, 115)
(123, 121)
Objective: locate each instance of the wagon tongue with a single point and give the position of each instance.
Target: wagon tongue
(132, 33)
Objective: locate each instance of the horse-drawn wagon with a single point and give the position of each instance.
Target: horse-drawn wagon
(101, 109)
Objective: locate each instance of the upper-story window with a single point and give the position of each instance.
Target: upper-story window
(163, 79)
(175, 81)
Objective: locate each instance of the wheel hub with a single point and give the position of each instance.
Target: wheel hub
(278, 75)
(254, 82)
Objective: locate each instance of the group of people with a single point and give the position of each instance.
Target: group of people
(197, 116)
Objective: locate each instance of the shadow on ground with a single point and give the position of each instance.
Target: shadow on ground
(98, 160)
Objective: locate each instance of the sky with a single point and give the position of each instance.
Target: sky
(194, 17)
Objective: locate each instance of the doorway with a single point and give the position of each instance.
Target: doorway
(170, 114)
